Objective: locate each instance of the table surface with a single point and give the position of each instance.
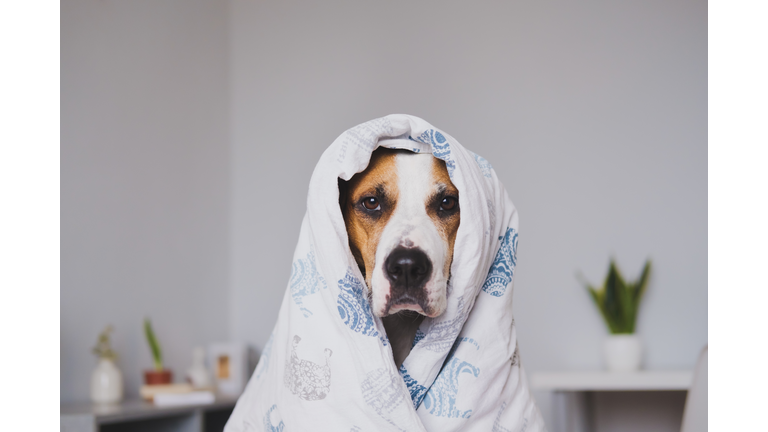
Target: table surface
(649, 380)
(137, 409)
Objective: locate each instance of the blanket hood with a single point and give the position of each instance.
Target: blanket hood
(328, 364)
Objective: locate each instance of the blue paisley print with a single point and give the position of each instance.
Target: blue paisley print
(441, 148)
(485, 166)
(354, 308)
(502, 270)
(419, 336)
(268, 425)
(305, 280)
(416, 390)
(441, 397)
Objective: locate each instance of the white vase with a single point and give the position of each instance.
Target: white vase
(106, 382)
(198, 375)
(623, 352)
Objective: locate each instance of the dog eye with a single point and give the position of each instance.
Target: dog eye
(371, 203)
(449, 203)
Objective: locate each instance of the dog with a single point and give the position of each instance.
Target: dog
(402, 215)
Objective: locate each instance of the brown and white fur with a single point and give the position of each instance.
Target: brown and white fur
(402, 214)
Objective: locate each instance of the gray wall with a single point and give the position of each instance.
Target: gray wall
(594, 114)
(144, 182)
(190, 131)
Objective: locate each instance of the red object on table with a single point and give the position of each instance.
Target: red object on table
(164, 376)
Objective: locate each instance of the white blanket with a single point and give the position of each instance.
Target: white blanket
(328, 364)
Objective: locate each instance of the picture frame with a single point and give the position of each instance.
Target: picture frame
(229, 363)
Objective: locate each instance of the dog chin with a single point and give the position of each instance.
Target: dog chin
(404, 307)
(431, 313)
(380, 289)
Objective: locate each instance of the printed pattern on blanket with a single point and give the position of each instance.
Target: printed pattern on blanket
(498, 423)
(503, 267)
(441, 397)
(492, 216)
(419, 336)
(363, 136)
(497, 427)
(441, 148)
(443, 334)
(269, 421)
(307, 380)
(417, 390)
(328, 363)
(484, 165)
(354, 307)
(305, 280)
(382, 392)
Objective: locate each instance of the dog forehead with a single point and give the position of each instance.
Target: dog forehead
(381, 172)
(403, 176)
(420, 176)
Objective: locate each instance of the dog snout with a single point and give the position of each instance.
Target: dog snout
(408, 269)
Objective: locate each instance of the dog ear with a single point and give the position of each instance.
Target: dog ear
(342, 194)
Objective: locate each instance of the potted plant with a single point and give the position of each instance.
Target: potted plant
(159, 375)
(106, 379)
(618, 302)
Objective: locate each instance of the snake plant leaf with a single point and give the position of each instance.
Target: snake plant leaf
(637, 289)
(618, 300)
(642, 282)
(612, 300)
(598, 297)
(154, 346)
(626, 302)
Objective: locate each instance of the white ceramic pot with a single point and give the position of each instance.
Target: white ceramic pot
(198, 375)
(623, 352)
(106, 382)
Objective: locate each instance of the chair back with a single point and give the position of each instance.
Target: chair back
(695, 413)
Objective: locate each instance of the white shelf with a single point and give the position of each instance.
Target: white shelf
(612, 381)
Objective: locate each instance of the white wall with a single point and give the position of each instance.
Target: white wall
(144, 182)
(594, 114)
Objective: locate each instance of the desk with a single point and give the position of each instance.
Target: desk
(574, 391)
(139, 415)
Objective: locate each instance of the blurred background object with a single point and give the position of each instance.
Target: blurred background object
(618, 302)
(229, 362)
(182, 198)
(106, 379)
(159, 374)
(696, 407)
(198, 375)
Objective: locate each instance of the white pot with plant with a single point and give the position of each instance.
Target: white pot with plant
(618, 302)
(106, 380)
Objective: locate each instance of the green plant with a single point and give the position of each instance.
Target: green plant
(618, 300)
(103, 348)
(154, 346)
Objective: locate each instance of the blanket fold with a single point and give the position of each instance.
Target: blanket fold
(328, 363)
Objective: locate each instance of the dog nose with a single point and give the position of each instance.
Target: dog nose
(408, 269)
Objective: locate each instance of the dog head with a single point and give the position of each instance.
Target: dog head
(402, 215)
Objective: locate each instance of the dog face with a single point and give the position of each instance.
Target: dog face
(402, 215)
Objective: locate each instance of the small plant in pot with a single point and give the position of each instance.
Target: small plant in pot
(618, 302)
(159, 375)
(106, 379)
